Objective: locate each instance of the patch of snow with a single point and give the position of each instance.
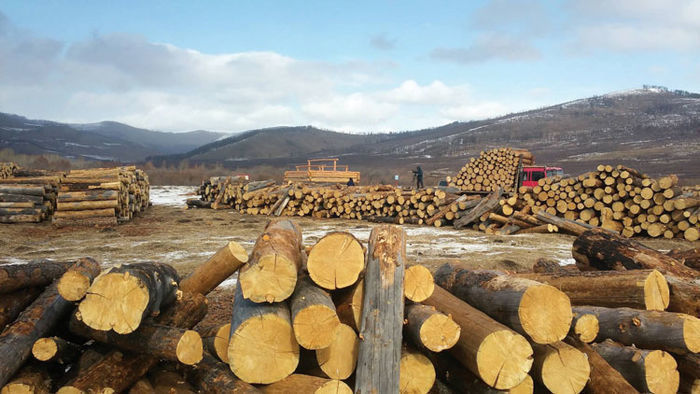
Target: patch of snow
(111, 143)
(173, 196)
(14, 129)
(97, 157)
(75, 144)
(230, 282)
(13, 261)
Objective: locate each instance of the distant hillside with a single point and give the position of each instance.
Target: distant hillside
(99, 141)
(653, 129)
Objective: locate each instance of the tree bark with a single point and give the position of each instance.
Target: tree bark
(122, 297)
(689, 369)
(490, 350)
(217, 269)
(12, 304)
(599, 250)
(271, 274)
(29, 380)
(430, 329)
(673, 332)
(212, 376)
(604, 379)
(33, 274)
(313, 315)
(382, 312)
(540, 311)
(685, 295)
(336, 261)
(689, 257)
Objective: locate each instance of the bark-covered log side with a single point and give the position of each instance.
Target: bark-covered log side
(34, 274)
(689, 257)
(212, 376)
(215, 270)
(685, 295)
(382, 312)
(29, 379)
(12, 304)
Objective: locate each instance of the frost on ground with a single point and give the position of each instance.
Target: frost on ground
(174, 196)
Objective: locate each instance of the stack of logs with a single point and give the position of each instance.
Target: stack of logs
(620, 199)
(7, 169)
(101, 196)
(492, 169)
(338, 316)
(28, 196)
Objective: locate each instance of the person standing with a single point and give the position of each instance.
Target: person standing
(418, 174)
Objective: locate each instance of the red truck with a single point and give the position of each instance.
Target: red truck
(531, 174)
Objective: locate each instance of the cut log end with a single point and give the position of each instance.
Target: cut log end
(221, 342)
(315, 326)
(114, 301)
(418, 283)
(417, 374)
(661, 373)
(336, 261)
(545, 325)
(73, 285)
(256, 342)
(272, 279)
(190, 349)
(586, 328)
(656, 292)
(334, 387)
(339, 359)
(439, 332)
(238, 252)
(564, 369)
(691, 333)
(527, 386)
(504, 359)
(44, 349)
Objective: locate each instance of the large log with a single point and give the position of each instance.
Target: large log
(220, 266)
(84, 222)
(216, 340)
(685, 295)
(339, 359)
(36, 321)
(313, 315)
(689, 257)
(416, 372)
(604, 379)
(486, 204)
(253, 324)
(430, 329)
(490, 350)
(74, 284)
(17, 197)
(651, 371)
(298, 383)
(689, 368)
(214, 377)
(86, 205)
(169, 343)
(418, 283)
(382, 312)
(540, 311)
(674, 332)
(271, 274)
(169, 381)
(33, 274)
(560, 368)
(90, 195)
(12, 304)
(29, 380)
(642, 289)
(336, 261)
(90, 213)
(599, 250)
(31, 190)
(123, 296)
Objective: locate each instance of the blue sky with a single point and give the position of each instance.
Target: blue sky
(353, 66)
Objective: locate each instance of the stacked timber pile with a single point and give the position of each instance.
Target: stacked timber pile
(620, 199)
(492, 169)
(101, 196)
(344, 317)
(7, 169)
(26, 198)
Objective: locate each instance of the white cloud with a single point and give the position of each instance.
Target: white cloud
(475, 111)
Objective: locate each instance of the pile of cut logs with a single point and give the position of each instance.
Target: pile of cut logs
(7, 169)
(338, 316)
(493, 169)
(620, 199)
(101, 196)
(28, 196)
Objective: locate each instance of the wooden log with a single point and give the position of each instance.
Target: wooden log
(218, 268)
(485, 205)
(441, 213)
(544, 265)
(416, 372)
(74, 284)
(216, 340)
(169, 381)
(604, 379)
(14, 197)
(143, 386)
(542, 229)
(568, 226)
(12, 304)
(86, 205)
(348, 305)
(431, 329)
(584, 327)
(597, 250)
(685, 295)
(90, 195)
(313, 315)
(689, 257)
(339, 359)
(30, 190)
(641, 289)
(298, 383)
(212, 376)
(490, 350)
(56, 350)
(169, 343)
(29, 380)
(689, 369)
(336, 261)
(516, 302)
(674, 332)
(33, 274)
(271, 273)
(253, 324)
(123, 296)
(560, 368)
(91, 213)
(418, 283)
(649, 371)
(36, 321)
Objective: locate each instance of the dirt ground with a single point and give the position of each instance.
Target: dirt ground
(185, 238)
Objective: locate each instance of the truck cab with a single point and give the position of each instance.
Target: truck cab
(531, 174)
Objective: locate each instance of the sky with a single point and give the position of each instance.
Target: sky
(356, 66)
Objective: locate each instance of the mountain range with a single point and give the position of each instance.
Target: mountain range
(654, 129)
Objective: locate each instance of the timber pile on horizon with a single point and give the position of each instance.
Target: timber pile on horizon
(27, 196)
(347, 315)
(7, 169)
(101, 196)
(493, 169)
